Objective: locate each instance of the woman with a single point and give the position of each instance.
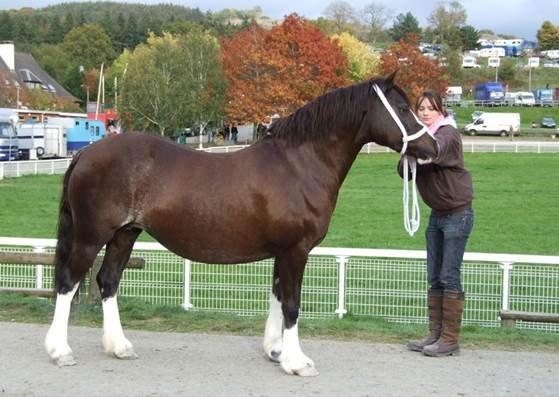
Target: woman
(446, 187)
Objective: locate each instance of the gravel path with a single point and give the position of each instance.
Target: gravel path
(219, 365)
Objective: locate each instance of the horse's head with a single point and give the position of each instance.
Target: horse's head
(391, 121)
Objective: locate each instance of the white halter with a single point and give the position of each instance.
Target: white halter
(411, 224)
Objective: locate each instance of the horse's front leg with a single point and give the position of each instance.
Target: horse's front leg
(273, 334)
(56, 341)
(292, 359)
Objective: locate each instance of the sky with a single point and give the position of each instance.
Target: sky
(521, 18)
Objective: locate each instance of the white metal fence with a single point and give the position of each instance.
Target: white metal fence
(390, 284)
(59, 166)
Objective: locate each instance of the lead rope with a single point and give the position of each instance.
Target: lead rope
(411, 222)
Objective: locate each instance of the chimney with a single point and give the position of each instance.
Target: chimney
(7, 53)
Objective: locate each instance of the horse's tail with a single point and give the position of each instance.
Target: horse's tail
(64, 235)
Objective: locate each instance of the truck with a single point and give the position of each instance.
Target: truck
(40, 140)
(490, 93)
(9, 148)
(543, 97)
(487, 123)
(84, 132)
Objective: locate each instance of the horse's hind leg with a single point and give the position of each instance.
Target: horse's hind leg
(56, 342)
(116, 256)
(291, 267)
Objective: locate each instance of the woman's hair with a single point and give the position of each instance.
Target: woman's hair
(434, 99)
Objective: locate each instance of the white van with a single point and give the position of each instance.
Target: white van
(494, 124)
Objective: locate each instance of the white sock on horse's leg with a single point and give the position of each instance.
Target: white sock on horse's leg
(292, 359)
(114, 340)
(273, 332)
(56, 341)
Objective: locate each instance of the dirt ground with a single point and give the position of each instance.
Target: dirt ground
(218, 365)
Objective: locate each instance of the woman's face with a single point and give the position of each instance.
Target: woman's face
(427, 113)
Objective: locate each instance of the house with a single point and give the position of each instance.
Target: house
(22, 70)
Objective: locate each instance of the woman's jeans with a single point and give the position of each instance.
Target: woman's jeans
(446, 237)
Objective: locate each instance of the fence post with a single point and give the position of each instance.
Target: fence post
(1, 171)
(507, 267)
(186, 305)
(39, 269)
(342, 260)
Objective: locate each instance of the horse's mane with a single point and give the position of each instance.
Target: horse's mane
(315, 120)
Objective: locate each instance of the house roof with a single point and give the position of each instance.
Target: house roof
(29, 71)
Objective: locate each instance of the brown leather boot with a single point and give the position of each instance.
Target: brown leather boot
(447, 344)
(435, 305)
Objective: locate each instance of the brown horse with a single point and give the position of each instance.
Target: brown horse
(272, 199)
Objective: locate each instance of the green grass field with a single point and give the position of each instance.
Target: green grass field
(515, 205)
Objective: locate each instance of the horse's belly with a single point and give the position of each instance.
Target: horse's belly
(212, 250)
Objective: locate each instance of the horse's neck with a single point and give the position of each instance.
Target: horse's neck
(332, 157)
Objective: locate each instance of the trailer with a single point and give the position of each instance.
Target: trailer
(40, 140)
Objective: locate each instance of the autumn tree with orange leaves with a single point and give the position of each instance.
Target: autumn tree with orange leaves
(278, 71)
(416, 72)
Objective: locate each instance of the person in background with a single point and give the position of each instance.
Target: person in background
(446, 187)
(182, 138)
(112, 129)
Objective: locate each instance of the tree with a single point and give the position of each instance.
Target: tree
(6, 26)
(405, 24)
(416, 72)
(507, 70)
(375, 16)
(453, 60)
(203, 78)
(548, 36)
(249, 73)
(311, 64)
(362, 63)
(470, 37)
(279, 70)
(446, 20)
(172, 82)
(88, 45)
(341, 13)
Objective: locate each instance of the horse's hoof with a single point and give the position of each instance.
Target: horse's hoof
(127, 354)
(306, 371)
(66, 360)
(274, 355)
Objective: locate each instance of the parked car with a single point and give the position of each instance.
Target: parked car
(548, 122)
